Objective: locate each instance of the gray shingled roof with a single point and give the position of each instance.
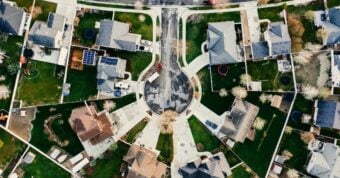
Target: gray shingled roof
(214, 166)
(279, 40)
(115, 34)
(11, 18)
(108, 71)
(222, 43)
(241, 118)
(47, 34)
(334, 16)
(260, 50)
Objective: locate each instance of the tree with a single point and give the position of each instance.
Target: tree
(262, 2)
(223, 92)
(306, 137)
(309, 92)
(296, 30)
(291, 173)
(321, 34)
(239, 92)
(324, 92)
(113, 147)
(245, 79)
(309, 15)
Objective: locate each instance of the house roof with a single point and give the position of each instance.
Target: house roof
(48, 33)
(334, 16)
(327, 114)
(89, 125)
(115, 34)
(279, 39)
(110, 67)
(325, 160)
(332, 34)
(144, 163)
(222, 44)
(260, 50)
(239, 121)
(11, 18)
(213, 166)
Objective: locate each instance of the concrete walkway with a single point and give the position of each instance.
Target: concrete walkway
(196, 65)
(149, 136)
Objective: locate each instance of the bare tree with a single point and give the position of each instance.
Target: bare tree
(309, 92)
(239, 92)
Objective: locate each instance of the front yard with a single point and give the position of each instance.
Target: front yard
(10, 151)
(140, 23)
(166, 148)
(42, 167)
(43, 86)
(272, 80)
(196, 30)
(262, 148)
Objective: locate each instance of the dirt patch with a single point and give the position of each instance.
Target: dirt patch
(36, 11)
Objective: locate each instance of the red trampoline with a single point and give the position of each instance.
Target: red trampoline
(222, 70)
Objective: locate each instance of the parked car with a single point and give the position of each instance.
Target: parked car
(210, 124)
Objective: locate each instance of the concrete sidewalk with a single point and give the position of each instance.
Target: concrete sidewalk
(149, 136)
(196, 65)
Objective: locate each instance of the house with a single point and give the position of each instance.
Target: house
(278, 39)
(48, 34)
(327, 114)
(12, 19)
(238, 121)
(29, 158)
(108, 69)
(115, 34)
(213, 166)
(222, 44)
(324, 160)
(90, 125)
(332, 27)
(143, 163)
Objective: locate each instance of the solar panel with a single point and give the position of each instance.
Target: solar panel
(109, 61)
(89, 57)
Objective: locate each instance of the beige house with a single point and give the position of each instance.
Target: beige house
(143, 163)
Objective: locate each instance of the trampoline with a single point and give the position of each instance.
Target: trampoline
(222, 70)
(285, 80)
(296, 116)
(89, 34)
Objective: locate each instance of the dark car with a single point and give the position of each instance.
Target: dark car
(210, 124)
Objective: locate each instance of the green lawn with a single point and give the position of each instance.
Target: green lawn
(120, 102)
(271, 13)
(138, 26)
(267, 72)
(333, 3)
(62, 128)
(46, 7)
(166, 148)
(240, 172)
(211, 99)
(330, 133)
(232, 78)
(196, 32)
(88, 21)
(12, 50)
(297, 147)
(10, 148)
(108, 167)
(135, 131)
(210, 142)
(261, 149)
(45, 88)
(42, 167)
(136, 61)
(83, 84)
(23, 3)
(304, 106)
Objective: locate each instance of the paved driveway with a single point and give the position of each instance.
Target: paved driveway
(196, 65)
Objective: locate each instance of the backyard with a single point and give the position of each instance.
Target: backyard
(261, 149)
(42, 167)
(333, 3)
(11, 46)
(83, 84)
(60, 127)
(136, 61)
(109, 165)
(196, 30)
(231, 79)
(86, 23)
(10, 150)
(166, 148)
(301, 105)
(212, 99)
(140, 23)
(209, 142)
(293, 143)
(42, 86)
(272, 80)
